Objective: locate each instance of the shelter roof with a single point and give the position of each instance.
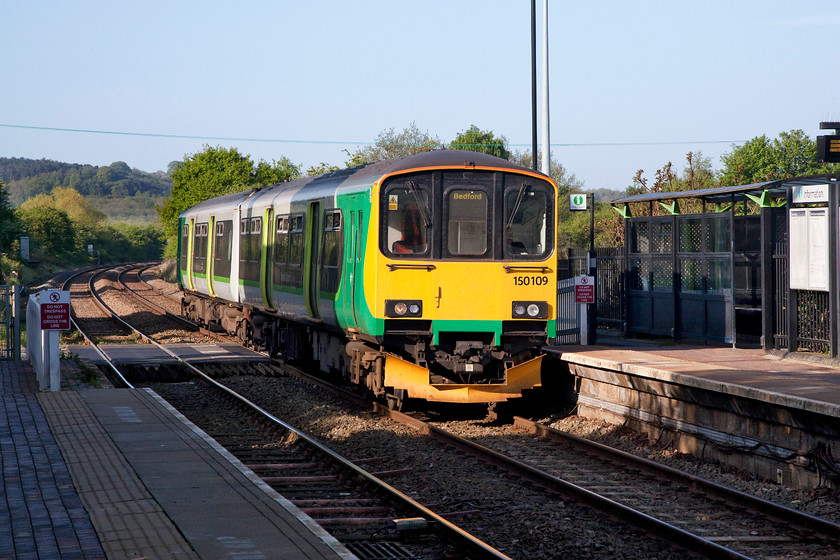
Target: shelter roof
(777, 189)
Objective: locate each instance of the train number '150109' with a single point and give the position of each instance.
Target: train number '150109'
(530, 280)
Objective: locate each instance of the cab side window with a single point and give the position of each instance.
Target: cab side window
(406, 210)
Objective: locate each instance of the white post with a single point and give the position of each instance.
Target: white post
(584, 324)
(44, 358)
(54, 361)
(44, 361)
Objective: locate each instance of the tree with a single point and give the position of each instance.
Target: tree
(566, 182)
(144, 243)
(790, 155)
(216, 172)
(115, 172)
(321, 168)
(50, 229)
(392, 144)
(79, 210)
(9, 224)
(482, 141)
(85, 218)
(275, 172)
(572, 227)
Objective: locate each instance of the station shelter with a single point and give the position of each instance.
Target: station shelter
(743, 265)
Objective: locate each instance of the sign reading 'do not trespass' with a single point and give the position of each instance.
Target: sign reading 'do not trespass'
(55, 310)
(584, 289)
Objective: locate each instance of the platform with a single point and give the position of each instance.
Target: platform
(117, 474)
(773, 417)
(742, 372)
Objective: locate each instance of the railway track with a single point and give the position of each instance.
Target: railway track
(700, 515)
(697, 516)
(89, 314)
(372, 518)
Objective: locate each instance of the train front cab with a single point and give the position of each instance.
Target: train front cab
(464, 281)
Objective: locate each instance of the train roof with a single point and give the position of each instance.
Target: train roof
(367, 174)
(223, 202)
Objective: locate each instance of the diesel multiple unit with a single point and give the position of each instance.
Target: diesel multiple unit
(431, 276)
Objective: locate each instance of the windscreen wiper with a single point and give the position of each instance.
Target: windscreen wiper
(523, 188)
(424, 214)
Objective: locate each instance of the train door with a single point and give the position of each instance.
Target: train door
(352, 258)
(211, 240)
(267, 256)
(189, 248)
(310, 273)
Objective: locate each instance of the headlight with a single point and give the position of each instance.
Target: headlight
(403, 308)
(530, 310)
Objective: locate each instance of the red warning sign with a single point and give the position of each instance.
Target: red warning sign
(584, 289)
(55, 311)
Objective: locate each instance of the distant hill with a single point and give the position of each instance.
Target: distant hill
(606, 195)
(123, 193)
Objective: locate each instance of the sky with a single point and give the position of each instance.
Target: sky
(632, 84)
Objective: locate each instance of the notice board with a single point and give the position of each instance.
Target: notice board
(809, 260)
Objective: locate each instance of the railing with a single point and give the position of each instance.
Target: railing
(6, 324)
(610, 287)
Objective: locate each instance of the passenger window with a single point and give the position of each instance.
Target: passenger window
(185, 239)
(200, 248)
(296, 241)
(331, 257)
(223, 249)
(281, 241)
(466, 222)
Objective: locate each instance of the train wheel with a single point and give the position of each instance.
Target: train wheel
(396, 400)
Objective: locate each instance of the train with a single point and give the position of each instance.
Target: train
(431, 276)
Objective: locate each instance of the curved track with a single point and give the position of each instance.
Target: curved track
(693, 513)
(318, 464)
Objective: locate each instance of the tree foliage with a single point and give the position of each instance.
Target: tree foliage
(28, 177)
(483, 141)
(391, 144)
(10, 226)
(50, 229)
(792, 154)
(698, 174)
(63, 225)
(216, 172)
(572, 227)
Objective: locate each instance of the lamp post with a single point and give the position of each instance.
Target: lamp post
(534, 82)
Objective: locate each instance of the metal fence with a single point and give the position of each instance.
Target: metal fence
(6, 324)
(610, 284)
(568, 320)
